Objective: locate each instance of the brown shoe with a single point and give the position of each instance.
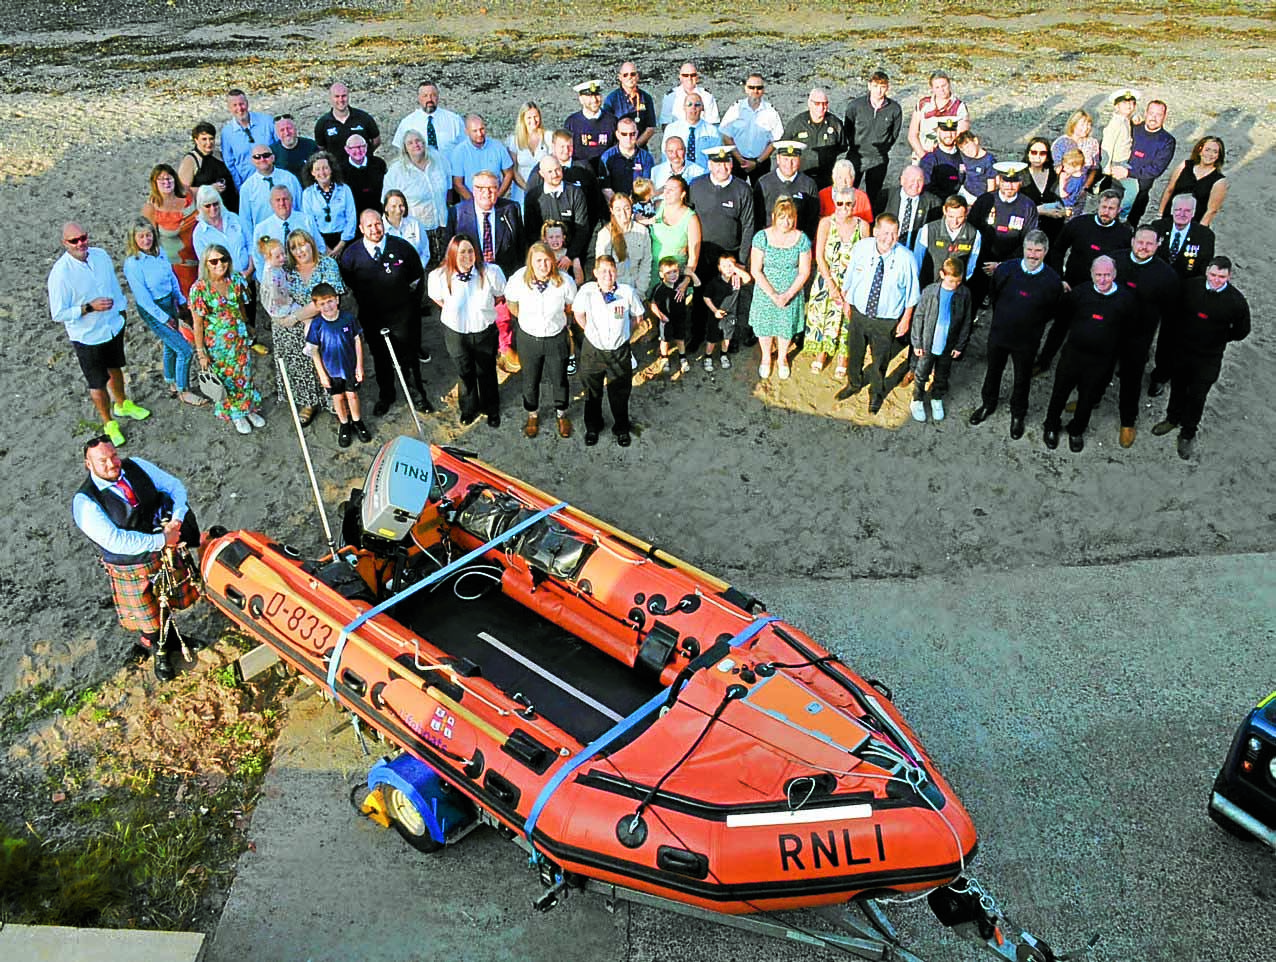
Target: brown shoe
(509, 362)
(533, 425)
(564, 426)
(1127, 436)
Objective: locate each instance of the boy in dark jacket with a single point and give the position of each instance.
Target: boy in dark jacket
(939, 332)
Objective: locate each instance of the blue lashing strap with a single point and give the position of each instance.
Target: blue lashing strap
(622, 727)
(425, 583)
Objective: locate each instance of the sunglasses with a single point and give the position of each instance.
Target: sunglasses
(279, 117)
(93, 442)
(688, 75)
(629, 73)
(81, 239)
(1037, 153)
(261, 156)
(626, 133)
(754, 87)
(694, 103)
(327, 213)
(217, 260)
(843, 203)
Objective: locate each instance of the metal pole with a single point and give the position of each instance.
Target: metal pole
(389, 345)
(305, 453)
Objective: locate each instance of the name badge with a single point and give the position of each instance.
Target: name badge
(802, 135)
(1016, 223)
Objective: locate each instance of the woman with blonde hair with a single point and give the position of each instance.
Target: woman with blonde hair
(780, 265)
(1078, 133)
(527, 145)
(423, 176)
(540, 296)
(827, 326)
(219, 304)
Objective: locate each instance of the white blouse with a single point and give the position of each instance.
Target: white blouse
(540, 313)
(468, 307)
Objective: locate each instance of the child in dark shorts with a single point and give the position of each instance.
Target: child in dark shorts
(722, 298)
(338, 355)
(672, 313)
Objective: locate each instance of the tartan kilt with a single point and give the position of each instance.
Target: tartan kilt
(135, 601)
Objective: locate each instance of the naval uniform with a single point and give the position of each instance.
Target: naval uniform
(1022, 304)
(1096, 326)
(1155, 288)
(1206, 322)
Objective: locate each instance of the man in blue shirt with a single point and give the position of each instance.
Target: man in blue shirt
(622, 163)
(85, 295)
(630, 100)
(475, 154)
(245, 130)
(698, 135)
(881, 292)
(254, 196)
(1150, 155)
(137, 517)
(593, 127)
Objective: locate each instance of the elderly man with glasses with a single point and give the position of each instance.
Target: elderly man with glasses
(820, 133)
(254, 195)
(217, 225)
(671, 108)
(85, 295)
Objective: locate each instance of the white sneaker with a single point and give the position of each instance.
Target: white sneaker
(919, 411)
(256, 420)
(724, 362)
(764, 370)
(241, 425)
(937, 409)
(784, 371)
(684, 365)
(707, 363)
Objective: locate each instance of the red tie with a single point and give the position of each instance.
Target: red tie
(127, 491)
(489, 252)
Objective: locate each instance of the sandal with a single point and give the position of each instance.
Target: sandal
(818, 364)
(191, 398)
(841, 367)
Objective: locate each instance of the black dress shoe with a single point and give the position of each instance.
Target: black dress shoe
(1051, 437)
(591, 438)
(1076, 443)
(848, 392)
(493, 420)
(344, 433)
(624, 440)
(874, 406)
(137, 654)
(1186, 447)
(468, 419)
(423, 402)
(981, 414)
(1162, 428)
(361, 429)
(1016, 428)
(424, 356)
(163, 667)
(1156, 388)
(380, 408)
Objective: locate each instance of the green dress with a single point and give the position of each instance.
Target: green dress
(826, 325)
(780, 265)
(668, 240)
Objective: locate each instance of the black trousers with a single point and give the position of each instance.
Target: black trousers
(1189, 387)
(1133, 359)
(475, 358)
(613, 367)
(544, 356)
(870, 180)
(942, 365)
(1166, 355)
(878, 334)
(1055, 337)
(406, 344)
(1140, 203)
(1088, 375)
(1022, 360)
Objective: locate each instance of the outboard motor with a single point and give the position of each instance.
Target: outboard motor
(396, 489)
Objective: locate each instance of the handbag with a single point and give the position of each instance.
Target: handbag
(211, 386)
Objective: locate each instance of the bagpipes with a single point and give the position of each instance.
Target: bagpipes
(176, 586)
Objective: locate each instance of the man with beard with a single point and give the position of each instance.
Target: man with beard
(582, 175)
(1002, 218)
(871, 127)
(291, 149)
(942, 165)
(1156, 288)
(441, 128)
(1150, 155)
(953, 236)
(593, 127)
(787, 181)
(1097, 315)
(554, 199)
(1081, 241)
(1025, 295)
(820, 134)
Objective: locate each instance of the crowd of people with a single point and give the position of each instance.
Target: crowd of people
(552, 253)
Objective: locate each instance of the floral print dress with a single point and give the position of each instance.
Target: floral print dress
(227, 342)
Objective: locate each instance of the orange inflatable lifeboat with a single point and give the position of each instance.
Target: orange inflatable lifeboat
(630, 719)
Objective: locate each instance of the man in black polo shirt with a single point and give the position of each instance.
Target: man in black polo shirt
(1025, 295)
(872, 125)
(292, 150)
(1211, 314)
(724, 205)
(563, 147)
(820, 134)
(1155, 287)
(339, 124)
(1097, 315)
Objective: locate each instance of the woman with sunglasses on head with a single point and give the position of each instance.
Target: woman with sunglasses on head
(1040, 183)
(158, 297)
(329, 202)
(219, 300)
(171, 208)
(217, 225)
(202, 165)
(827, 326)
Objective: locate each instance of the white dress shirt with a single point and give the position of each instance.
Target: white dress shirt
(540, 313)
(448, 127)
(469, 307)
(671, 108)
(607, 326)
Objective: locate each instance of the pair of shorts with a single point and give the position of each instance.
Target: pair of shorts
(341, 385)
(98, 360)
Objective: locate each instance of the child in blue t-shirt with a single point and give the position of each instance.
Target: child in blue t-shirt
(976, 170)
(338, 358)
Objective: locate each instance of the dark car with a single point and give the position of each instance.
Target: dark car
(1244, 798)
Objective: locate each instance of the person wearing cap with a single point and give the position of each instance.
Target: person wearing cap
(675, 164)
(724, 205)
(1211, 314)
(672, 107)
(630, 100)
(753, 126)
(941, 165)
(619, 165)
(1082, 240)
(476, 153)
(593, 127)
(135, 513)
(1002, 217)
(939, 103)
(698, 135)
(911, 204)
(871, 127)
(788, 181)
(1117, 145)
(441, 128)
(85, 296)
(880, 290)
(1151, 150)
(820, 133)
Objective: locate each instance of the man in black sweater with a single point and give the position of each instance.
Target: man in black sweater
(1097, 315)
(1212, 313)
(872, 126)
(1080, 242)
(1155, 287)
(1025, 295)
(724, 205)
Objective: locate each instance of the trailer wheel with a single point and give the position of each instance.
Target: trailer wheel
(407, 821)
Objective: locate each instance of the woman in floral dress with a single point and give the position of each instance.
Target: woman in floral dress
(217, 302)
(827, 327)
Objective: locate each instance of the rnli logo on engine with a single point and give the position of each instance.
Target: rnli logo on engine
(833, 849)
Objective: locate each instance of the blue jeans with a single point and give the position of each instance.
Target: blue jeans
(177, 350)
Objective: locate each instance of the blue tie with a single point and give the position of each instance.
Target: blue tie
(875, 289)
(691, 146)
(431, 139)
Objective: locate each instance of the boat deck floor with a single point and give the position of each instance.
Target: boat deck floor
(569, 682)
